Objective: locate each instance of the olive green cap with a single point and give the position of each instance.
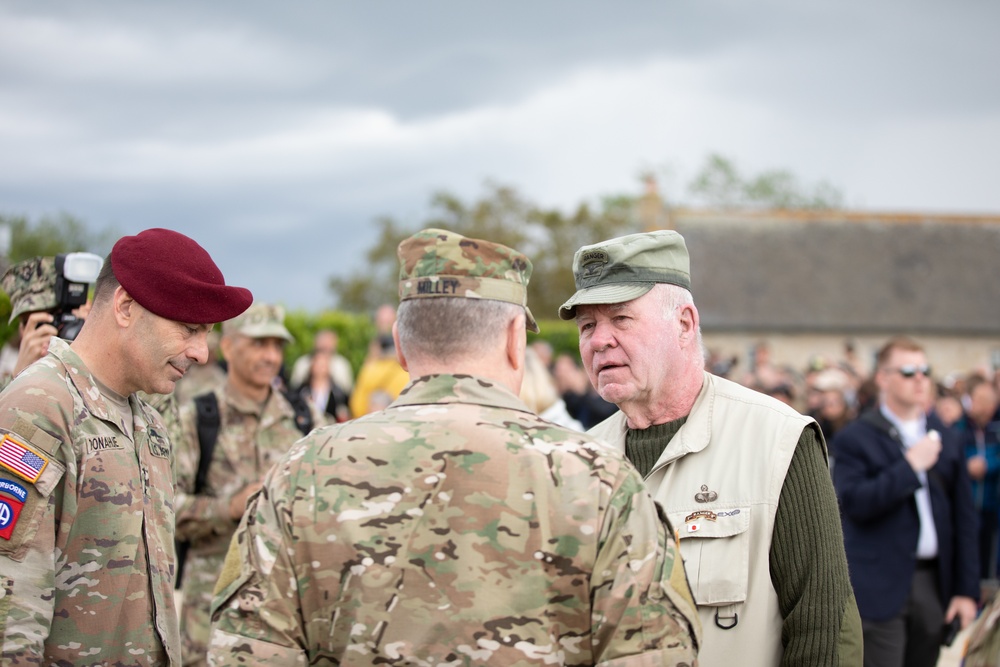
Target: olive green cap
(261, 320)
(627, 267)
(31, 286)
(441, 263)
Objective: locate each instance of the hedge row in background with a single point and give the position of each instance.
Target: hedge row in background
(355, 331)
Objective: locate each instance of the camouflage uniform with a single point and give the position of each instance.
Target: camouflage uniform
(250, 440)
(454, 527)
(88, 566)
(167, 407)
(31, 286)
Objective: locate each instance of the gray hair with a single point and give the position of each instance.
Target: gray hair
(673, 297)
(446, 328)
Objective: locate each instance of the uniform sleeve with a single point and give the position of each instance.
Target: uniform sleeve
(202, 515)
(255, 613)
(27, 583)
(27, 554)
(808, 565)
(643, 610)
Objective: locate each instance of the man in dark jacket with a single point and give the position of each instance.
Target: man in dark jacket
(908, 516)
(979, 435)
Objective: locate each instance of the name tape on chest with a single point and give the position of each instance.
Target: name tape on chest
(21, 459)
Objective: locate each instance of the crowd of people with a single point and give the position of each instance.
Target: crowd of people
(468, 497)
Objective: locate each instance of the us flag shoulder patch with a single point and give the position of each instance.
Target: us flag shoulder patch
(22, 460)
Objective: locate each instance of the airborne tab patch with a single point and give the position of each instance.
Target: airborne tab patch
(22, 460)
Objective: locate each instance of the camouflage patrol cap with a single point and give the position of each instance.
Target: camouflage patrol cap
(31, 286)
(627, 267)
(441, 263)
(261, 320)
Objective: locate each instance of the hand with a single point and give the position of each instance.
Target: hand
(977, 467)
(924, 453)
(35, 340)
(84, 310)
(238, 503)
(963, 607)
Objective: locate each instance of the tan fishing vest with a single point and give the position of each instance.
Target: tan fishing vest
(719, 481)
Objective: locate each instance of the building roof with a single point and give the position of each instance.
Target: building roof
(844, 272)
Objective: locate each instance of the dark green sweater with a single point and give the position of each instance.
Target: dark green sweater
(821, 622)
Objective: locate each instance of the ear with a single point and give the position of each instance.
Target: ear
(399, 348)
(689, 321)
(225, 347)
(125, 308)
(879, 377)
(516, 342)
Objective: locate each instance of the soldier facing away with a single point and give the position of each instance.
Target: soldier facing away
(455, 526)
(86, 488)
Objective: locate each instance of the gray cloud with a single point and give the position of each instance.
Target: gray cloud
(275, 133)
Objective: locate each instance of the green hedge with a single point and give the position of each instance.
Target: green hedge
(356, 330)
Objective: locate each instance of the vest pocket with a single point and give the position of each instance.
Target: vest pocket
(715, 545)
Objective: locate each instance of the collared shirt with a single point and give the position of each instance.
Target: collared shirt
(910, 432)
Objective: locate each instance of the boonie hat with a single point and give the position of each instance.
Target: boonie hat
(172, 276)
(627, 267)
(31, 286)
(261, 320)
(440, 263)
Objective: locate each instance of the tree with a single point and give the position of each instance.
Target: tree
(720, 184)
(42, 238)
(52, 236)
(548, 237)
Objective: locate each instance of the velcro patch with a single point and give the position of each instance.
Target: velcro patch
(22, 460)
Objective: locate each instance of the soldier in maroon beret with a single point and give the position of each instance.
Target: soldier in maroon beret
(86, 481)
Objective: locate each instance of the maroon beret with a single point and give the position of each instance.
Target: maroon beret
(172, 276)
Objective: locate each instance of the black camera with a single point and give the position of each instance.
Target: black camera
(75, 272)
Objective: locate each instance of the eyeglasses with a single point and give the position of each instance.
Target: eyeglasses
(910, 370)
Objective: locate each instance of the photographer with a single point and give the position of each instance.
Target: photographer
(49, 296)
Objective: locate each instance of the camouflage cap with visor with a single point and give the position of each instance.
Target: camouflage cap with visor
(261, 320)
(31, 286)
(441, 263)
(625, 268)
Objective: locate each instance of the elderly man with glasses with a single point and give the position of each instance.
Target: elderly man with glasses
(908, 516)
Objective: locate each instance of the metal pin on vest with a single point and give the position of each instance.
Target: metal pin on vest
(706, 496)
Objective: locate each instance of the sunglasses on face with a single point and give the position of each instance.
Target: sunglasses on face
(910, 370)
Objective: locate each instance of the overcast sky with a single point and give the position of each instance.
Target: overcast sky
(274, 133)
